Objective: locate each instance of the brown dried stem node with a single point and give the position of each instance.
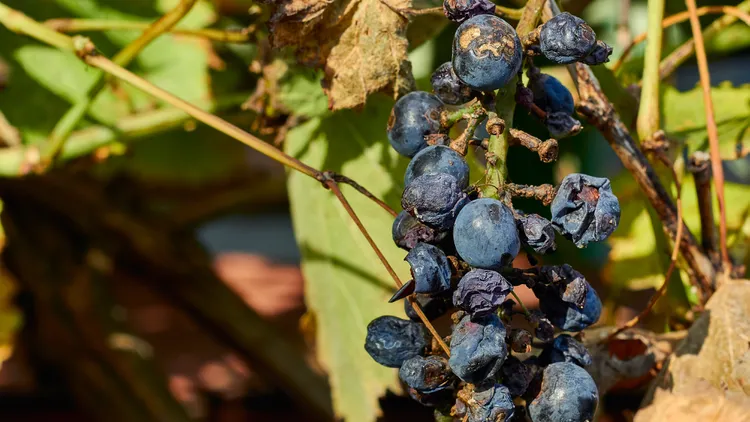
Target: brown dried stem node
(547, 150)
(543, 193)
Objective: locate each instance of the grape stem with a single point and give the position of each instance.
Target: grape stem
(448, 118)
(90, 25)
(520, 303)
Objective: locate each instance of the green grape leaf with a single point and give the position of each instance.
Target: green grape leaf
(636, 259)
(45, 82)
(346, 285)
(684, 118)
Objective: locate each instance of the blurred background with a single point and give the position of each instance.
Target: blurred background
(208, 205)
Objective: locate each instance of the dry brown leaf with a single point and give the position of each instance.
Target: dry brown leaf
(700, 402)
(628, 361)
(361, 44)
(715, 352)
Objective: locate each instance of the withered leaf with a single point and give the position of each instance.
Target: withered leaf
(361, 44)
(698, 401)
(715, 350)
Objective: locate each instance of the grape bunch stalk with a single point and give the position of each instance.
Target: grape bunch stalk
(461, 242)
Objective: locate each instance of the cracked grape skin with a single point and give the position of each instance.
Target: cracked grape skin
(537, 233)
(434, 200)
(414, 116)
(492, 403)
(437, 159)
(429, 268)
(481, 292)
(568, 394)
(487, 53)
(390, 340)
(566, 39)
(585, 209)
(407, 232)
(460, 10)
(426, 374)
(485, 234)
(478, 348)
(566, 349)
(448, 88)
(568, 316)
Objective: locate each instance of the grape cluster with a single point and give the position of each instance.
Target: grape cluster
(461, 244)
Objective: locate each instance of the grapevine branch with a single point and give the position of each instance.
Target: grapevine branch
(75, 114)
(678, 18)
(600, 113)
(672, 263)
(90, 25)
(700, 166)
(713, 134)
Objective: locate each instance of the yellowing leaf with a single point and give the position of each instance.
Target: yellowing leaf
(684, 117)
(361, 44)
(346, 285)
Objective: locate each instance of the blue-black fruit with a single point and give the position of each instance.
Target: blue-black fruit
(413, 117)
(486, 52)
(450, 89)
(485, 234)
(585, 209)
(567, 394)
(434, 200)
(390, 340)
(478, 348)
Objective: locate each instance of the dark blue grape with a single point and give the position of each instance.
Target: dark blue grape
(478, 348)
(566, 349)
(566, 39)
(537, 233)
(486, 52)
(491, 403)
(585, 209)
(434, 200)
(414, 116)
(461, 10)
(481, 292)
(407, 231)
(432, 306)
(566, 315)
(426, 374)
(390, 340)
(429, 268)
(485, 234)
(570, 285)
(567, 394)
(437, 159)
(520, 340)
(450, 89)
(543, 328)
(550, 94)
(600, 54)
(517, 375)
(562, 125)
